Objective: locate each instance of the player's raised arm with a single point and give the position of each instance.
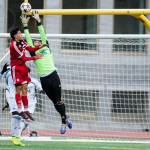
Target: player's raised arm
(35, 15)
(33, 49)
(21, 55)
(30, 46)
(38, 86)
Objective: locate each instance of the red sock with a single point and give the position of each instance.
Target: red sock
(25, 103)
(18, 101)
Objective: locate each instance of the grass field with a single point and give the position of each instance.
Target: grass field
(38, 145)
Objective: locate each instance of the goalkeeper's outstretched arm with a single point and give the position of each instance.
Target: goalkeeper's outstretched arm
(28, 38)
(40, 27)
(25, 21)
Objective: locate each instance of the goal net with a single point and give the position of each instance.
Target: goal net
(105, 86)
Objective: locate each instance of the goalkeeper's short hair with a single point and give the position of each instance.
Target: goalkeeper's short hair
(33, 40)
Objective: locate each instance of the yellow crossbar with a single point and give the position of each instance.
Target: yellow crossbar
(92, 11)
(138, 13)
(144, 20)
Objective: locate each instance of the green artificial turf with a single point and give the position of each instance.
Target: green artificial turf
(38, 145)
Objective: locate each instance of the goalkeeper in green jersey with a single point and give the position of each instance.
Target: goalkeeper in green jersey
(46, 70)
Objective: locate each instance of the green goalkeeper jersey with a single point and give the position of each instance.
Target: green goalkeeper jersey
(45, 64)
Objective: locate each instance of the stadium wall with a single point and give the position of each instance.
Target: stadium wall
(2, 16)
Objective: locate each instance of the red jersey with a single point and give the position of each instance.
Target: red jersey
(17, 52)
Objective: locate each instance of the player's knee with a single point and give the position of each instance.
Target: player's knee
(24, 91)
(18, 89)
(60, 102)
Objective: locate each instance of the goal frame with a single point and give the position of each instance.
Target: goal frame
(80, 36)
(85, 36)
(137, 13)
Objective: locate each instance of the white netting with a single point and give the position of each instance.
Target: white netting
(105, 86)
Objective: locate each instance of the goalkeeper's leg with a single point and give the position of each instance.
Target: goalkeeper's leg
(52, 86)
(59, 103)
(60, 107)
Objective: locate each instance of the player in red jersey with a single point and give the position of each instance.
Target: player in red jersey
(19, 71)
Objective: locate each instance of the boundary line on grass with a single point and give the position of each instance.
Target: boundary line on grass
(72, 140)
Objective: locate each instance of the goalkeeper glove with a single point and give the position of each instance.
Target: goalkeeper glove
(6, 106)
(35, 15)
(24, 19)
(5, 68)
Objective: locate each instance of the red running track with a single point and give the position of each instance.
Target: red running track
(92, 134)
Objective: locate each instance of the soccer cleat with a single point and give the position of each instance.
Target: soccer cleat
(20, 144)
(19, 139)
(30, 116)
(23, 115)
(69, 124)
(14, 140)
(63, 128)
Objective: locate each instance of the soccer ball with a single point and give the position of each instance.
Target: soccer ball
(25, 7)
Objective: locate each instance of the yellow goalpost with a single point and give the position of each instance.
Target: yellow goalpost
(138, 13)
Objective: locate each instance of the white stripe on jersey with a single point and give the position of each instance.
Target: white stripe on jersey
(20, 56)
(16, 48)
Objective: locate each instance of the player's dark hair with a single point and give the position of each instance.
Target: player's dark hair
(29, 69)
(14, 31)
(36, 40)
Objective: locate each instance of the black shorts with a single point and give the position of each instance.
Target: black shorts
(52, 86)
